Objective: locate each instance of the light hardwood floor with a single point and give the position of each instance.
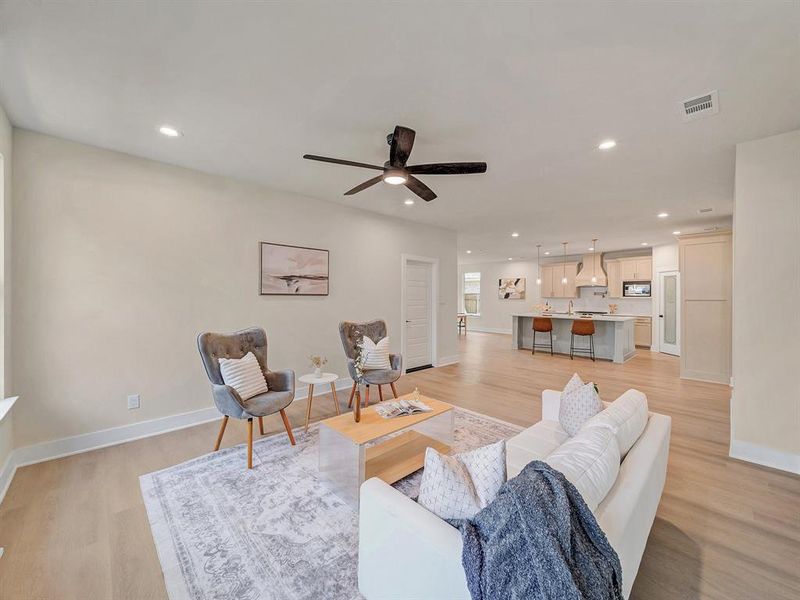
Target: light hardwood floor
(76, 528)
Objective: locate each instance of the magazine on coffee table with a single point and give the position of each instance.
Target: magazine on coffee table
(401, 408)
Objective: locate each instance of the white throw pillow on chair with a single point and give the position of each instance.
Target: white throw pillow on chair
(376, 356)
(244, 375)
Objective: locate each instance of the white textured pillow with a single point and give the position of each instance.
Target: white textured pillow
(579, 403)
(457, 487)
(376, 355)
(244, 375)
(626, 417)
(590, 461)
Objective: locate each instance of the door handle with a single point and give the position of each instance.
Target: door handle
(407, 321)
(660, 316)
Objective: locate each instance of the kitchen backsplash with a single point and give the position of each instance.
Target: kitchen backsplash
(588, 301)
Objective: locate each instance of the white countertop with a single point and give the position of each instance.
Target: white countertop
(573, 317)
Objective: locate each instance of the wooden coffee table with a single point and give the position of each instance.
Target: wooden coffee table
(350, 452)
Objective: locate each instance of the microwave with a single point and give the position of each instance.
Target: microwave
(636, 289)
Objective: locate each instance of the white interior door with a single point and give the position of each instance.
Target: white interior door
(418, 316)
(669, 313)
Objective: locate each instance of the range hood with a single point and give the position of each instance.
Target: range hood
(592, 264)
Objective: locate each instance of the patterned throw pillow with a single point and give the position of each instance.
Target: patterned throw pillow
(579, 403)
(244, 375)
(376, 356)
(457, 487)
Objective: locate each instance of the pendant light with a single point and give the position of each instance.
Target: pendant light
(594, 260)
(538, 279)
(564, 265)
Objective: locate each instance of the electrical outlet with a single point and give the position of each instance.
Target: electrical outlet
(133, 401)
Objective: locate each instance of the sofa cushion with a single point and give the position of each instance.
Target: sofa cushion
(458, 486)
(579, 403)
(590, 460)
(534, 443)
(626, 417)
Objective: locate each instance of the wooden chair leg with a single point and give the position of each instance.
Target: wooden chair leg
(310, 399)
(250, 443)
(380, 393)
(352, 395)
(288, 427)
(335, 398)
(394, 389)
(261, 425)
(551, 343)
(221, 432)
(366, 397)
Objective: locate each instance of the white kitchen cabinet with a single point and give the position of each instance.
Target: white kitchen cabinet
(636, 269)
(551, 280)
(643, 331)
(614, 273)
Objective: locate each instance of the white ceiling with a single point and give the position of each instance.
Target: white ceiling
(531, 89)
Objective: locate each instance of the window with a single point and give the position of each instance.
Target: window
(472, 293)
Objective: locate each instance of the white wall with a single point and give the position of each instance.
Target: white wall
(6, 428)
(120, 262)
(765, 408)
(496, 314)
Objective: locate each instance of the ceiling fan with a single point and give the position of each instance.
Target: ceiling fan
(395, 170)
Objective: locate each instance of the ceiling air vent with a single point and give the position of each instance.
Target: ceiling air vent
(704, 210)
(701, 106)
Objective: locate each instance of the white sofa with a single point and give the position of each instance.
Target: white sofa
(407, 552)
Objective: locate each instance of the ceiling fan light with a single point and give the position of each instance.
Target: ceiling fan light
(395, 177)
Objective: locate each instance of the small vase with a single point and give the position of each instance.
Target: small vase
(318, 372)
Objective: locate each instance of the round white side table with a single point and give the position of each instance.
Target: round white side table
(311, 380)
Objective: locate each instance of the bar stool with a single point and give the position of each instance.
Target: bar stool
(542, 325)
(582, 327)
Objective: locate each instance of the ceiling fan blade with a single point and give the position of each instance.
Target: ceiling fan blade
(402, 142)
(420, 189)
(363, 186)
(339, 161)
(459, 168)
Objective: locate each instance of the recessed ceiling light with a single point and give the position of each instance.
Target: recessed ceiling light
(515, 234)
(644, 243)
(169, 131)
(591, 248)
(509, 258)
(408, 202)
(607, 145)
(546, 253)
(676, 233)
(663, 215)
(469, 251)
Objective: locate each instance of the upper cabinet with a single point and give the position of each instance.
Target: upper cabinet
(639, 268)
(552, 275)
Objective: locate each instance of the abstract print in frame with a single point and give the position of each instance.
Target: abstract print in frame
(511, 288)
(293, 270)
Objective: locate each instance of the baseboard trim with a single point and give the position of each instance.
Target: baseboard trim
(767, 457)
(444, 361)
(488, 330)
(86, 442)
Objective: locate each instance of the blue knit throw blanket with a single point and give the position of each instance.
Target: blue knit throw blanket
(538, 540)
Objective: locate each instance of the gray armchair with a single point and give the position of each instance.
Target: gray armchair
(214, 346)
(375, 330)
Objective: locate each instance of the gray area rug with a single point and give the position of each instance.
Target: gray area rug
(225, 532)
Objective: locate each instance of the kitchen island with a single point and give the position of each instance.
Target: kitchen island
(613, 338)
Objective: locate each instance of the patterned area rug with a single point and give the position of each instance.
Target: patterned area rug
(225, 532)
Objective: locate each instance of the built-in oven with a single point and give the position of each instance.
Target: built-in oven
(636, 289)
